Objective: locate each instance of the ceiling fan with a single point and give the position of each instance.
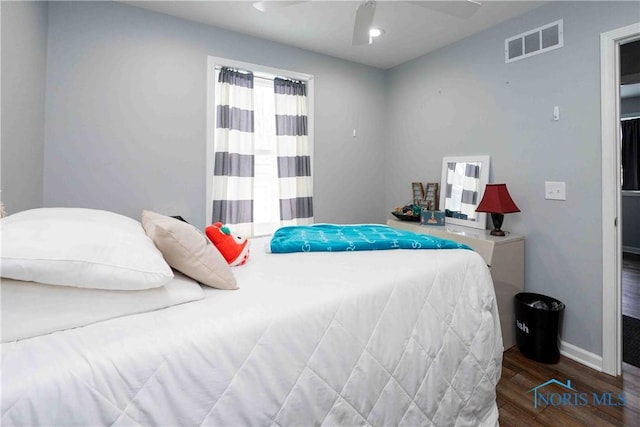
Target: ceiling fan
(366, 11)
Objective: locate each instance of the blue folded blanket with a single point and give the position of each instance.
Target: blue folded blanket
(360, 237)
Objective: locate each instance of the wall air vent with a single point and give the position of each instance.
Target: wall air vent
(541, 39)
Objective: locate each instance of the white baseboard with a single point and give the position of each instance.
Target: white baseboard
(580, 355)
(631, 250)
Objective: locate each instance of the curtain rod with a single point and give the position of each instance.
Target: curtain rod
(255, 76)
(261, 75)
(629, 118)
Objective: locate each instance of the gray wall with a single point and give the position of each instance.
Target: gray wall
(24, 58)
(630, 223)
(464, 99)
(630, 107)
(126, 114)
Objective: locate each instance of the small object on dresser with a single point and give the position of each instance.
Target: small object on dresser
(407, 213)
(403, 217)
(418, 192)
(430, 217)
(455, 214)
(431, 195)
(497, 201)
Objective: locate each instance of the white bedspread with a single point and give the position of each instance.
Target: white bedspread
(382, 338)
(31, 309)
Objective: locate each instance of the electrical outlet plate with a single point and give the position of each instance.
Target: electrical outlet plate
(555, 190)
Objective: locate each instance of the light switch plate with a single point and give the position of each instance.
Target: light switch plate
(554, 190)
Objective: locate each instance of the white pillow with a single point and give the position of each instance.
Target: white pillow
(85, 248)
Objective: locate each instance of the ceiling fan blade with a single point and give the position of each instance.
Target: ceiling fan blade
(269, 6)
(459, 8)
(364, 19)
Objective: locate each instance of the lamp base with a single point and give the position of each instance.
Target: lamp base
(497, 219)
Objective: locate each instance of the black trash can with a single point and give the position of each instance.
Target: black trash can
(537, 324)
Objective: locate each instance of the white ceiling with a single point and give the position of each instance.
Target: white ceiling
(327, 26)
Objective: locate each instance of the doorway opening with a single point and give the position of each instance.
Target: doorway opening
(610, 43)
(630, 200)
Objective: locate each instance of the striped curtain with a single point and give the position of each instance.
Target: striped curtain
(631, 154)
(294, 157)
(463, 182)
(233, 168)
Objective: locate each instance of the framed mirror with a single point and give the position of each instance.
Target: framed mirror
(463, 181)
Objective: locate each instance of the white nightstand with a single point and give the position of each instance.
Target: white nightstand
(504, 257)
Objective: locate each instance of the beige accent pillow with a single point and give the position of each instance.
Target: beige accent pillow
(188, 250)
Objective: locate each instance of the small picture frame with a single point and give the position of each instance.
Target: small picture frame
(431, 195)
(435, 218)
(418, 192)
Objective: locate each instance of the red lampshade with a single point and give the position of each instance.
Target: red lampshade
(496, 199)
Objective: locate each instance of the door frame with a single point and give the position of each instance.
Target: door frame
(611, 205)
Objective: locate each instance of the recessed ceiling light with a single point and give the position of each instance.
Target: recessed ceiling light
(375, 32)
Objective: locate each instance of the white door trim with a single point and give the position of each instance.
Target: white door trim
(611, 231)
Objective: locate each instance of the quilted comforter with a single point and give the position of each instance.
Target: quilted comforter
(354, 338)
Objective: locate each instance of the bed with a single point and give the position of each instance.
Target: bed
(393, 337)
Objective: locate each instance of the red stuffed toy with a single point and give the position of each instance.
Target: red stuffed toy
(234, 249)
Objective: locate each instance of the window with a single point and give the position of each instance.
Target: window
(266, 215)
(273, 190)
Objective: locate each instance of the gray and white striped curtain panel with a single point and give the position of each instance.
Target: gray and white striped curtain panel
(234, 152)
(294, 157)
(464, 183)
(631, 154)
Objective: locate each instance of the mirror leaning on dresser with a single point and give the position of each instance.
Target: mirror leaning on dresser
(463, 181)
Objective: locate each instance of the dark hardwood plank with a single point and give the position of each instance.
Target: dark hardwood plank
(579, 417)
(631, 378)
(520, 375)
(513, 416)
(515, 395)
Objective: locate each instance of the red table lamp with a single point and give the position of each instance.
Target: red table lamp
(497, 201)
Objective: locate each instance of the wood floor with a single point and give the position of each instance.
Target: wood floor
(631, 285)
(520, 375)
